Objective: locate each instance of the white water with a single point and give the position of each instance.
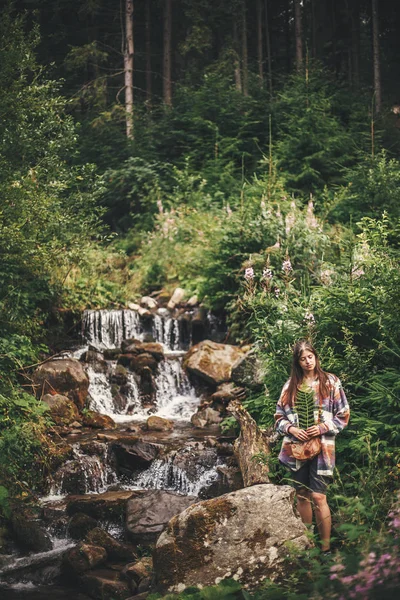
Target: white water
(164, 475)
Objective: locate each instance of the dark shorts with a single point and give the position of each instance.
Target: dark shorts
(308, 478)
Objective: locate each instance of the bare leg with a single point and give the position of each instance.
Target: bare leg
(323, 519)
(304, 505)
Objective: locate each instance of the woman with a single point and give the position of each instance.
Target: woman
(331, 415)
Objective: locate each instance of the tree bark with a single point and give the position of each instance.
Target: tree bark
(251, 442)
(167, 84)
(149, 90)
(236, 59)
(259, 41)
(355, 43)
(128, 67)
(245, 66)
(376, 58)
(298, 34)
(268, 43)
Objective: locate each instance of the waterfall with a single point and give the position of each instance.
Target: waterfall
(175, 396)
(165, 475)
(107, 328)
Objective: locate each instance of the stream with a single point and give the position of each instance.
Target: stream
(183, 460)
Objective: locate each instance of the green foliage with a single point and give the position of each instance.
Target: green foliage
(304, 406)
(228, 589)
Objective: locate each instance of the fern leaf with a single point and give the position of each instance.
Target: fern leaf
(304, 406)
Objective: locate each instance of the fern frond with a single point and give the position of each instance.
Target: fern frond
(305, 406)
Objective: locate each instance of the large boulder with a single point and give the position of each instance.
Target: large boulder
(148, 513)
(63, 411)
(108, 506)
(115, 550)
(212, 362)
(204, 417)
(242, 535)
(248, 371)
(134, 453)
(29, 534)
(64, 376)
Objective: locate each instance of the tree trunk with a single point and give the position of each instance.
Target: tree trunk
(260, 42)
(149, 90)
(268, 43)
(238, 75)
(167, 84)
(298, 34)
(376, 59)
(355, 43)
(128, 67)
(245, 66)
(250, 443)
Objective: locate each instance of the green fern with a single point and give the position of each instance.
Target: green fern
(304, 406)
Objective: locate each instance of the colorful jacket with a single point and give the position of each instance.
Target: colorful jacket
(333, 417)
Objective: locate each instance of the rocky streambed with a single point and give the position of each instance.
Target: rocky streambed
(147, 481)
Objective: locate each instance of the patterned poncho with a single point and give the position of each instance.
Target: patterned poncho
(333, 417)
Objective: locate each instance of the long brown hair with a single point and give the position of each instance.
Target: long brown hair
(297, 375)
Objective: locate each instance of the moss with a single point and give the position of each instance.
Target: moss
(188, 551)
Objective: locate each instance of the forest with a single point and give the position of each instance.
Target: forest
(247, 151)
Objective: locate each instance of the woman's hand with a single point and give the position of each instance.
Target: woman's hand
(300, 434)
(313, 431)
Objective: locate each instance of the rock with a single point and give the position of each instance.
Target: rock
(105, 584)
(63, 410)
(97, 421)
(143, 361)
(134, 453)
(149, 512)
(248, 371)
(129, 342)
(120, 375)
(229, 480)
(138, 571)
(82, 558)
(111, 353)
(93, 448)
(147, 386)
(207, 416)
(176, 298)
(125, 359)
(149, 303)
(106, 506)
(159, 424)
(193, 301)
(133, 306)
(199, 325)
(95, 359)
(241, 535)
(115, 549)
(153, 348)
(76, 425)
(226, 392)
(80, 525)
(28, 533)
(212, 362)
(77, 476)
(145, 313)
(64, 376)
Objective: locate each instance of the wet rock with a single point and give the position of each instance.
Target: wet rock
(149, 512)
(119, 376)
(139, 571)
(95, 359)
(211, 361)
(194, 459)
(242, 535)
(144, 313)
(63, 411)
(106, 506)
(97, 421)
(199, 325)
(149, 303)
(120, 402)
(159, 424)
(153, 348)
(205, 417)
(111, 353)
(28, 533)
(115, 549)
(143, 361)
(248, 371)
(105, 584)
(229, 480)
(176, 298)
(128, 342)
(134, 453)
(79, 526)
(65, 376)
(93, 448)
(78, 476)
(125, 359)
(82, 558)
(147, 386)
